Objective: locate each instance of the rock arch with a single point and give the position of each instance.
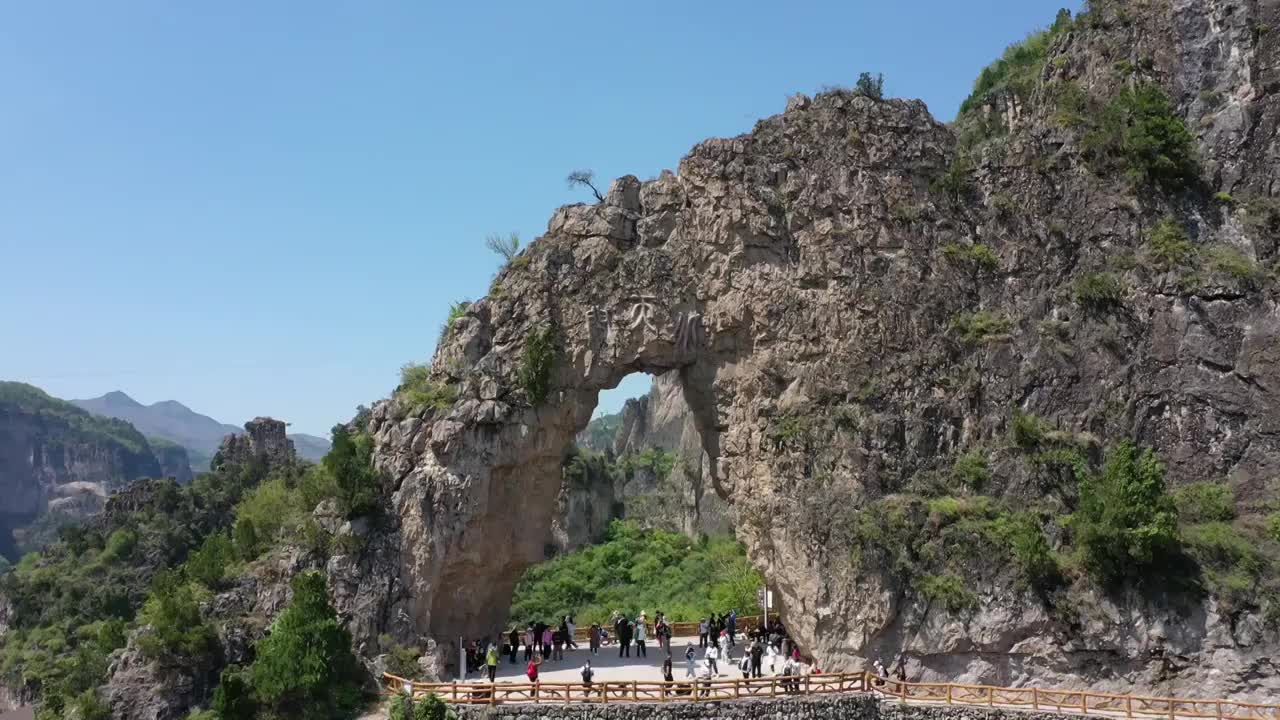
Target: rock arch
(759, 273)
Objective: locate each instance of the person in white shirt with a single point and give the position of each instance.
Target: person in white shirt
(712, 654)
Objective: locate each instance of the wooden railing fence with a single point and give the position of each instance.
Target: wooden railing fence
(1079, 702)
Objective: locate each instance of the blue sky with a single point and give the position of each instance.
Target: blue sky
(266, 208)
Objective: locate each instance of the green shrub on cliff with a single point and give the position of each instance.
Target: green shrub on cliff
(418, 390)
(305, 668)
(536, 363)
(1139, 133)
(1126, 523)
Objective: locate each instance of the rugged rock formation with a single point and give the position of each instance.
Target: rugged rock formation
(170, 420)
(798, 282)
(173, 458)
(55, 456)
(264, 440)
(588, 501)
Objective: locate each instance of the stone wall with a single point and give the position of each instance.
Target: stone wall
(831, 707)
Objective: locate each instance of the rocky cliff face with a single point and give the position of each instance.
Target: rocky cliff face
(174, 460)
(56, 457)
(683, 496)
(853, 296)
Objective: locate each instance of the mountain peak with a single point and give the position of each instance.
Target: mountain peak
(119, 397)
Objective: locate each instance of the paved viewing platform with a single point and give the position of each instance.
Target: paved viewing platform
(638, 680)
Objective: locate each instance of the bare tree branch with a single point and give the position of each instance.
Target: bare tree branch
(584, 177)
(506, 247)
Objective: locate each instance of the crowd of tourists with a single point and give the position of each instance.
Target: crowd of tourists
(723, 647)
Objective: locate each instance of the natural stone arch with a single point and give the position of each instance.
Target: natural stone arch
(742, 273)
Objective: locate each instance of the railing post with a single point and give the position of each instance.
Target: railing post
(604, 692)
(773, 686)
(1218, 706)
(1128, 706)
(1084, 702)
(737, 688)
(1035, 698)
(991, 696)
(949, 688)
(635, 695)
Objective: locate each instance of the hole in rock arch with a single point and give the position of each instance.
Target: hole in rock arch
(635, 485)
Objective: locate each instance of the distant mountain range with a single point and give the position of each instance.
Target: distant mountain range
(171, 420)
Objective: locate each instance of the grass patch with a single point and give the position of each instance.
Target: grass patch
(981, 327)
(948, 591)
(418, 390)
(1098, 292)
(978, 257)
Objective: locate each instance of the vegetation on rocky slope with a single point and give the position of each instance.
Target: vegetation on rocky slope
(146, 570)
(637, 570)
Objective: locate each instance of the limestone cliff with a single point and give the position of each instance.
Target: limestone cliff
(57, 457)
(854, 297)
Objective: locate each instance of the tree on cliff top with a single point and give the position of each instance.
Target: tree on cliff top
(305, 668)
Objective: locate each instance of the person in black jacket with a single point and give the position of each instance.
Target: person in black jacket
(624, 636)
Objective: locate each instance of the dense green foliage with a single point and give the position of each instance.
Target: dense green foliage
(1169, 245)
(1126, 523)
(428, 708)
(417, 389)
(1138, 132)
(656, 460)
(350, 463)
(72, 424)
(869, 85)
(928, 544)
(636, 570)
(536, 363)
(173, 612)
(982, 326)
(1018, 69)
(304, 668)
(978, 257)
(970, 470)
(75, 602)
(1100, 291)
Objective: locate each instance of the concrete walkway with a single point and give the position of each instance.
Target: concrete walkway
(608, 666)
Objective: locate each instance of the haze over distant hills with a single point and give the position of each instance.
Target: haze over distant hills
(173, 421)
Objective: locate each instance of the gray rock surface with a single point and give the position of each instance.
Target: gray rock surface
(794, 279)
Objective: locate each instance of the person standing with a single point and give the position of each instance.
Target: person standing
(513, 642)
(587, 675)
(593, 638)
(571, 627)
(724, 646)
(528, 644)
(757, 654)
(666, 669)
(702, 633)
(546, 641)
(624, 636)
(491, 661)
(711, 655)
(640, 636)
(557, 640)
(689, 662)
(732, 625)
